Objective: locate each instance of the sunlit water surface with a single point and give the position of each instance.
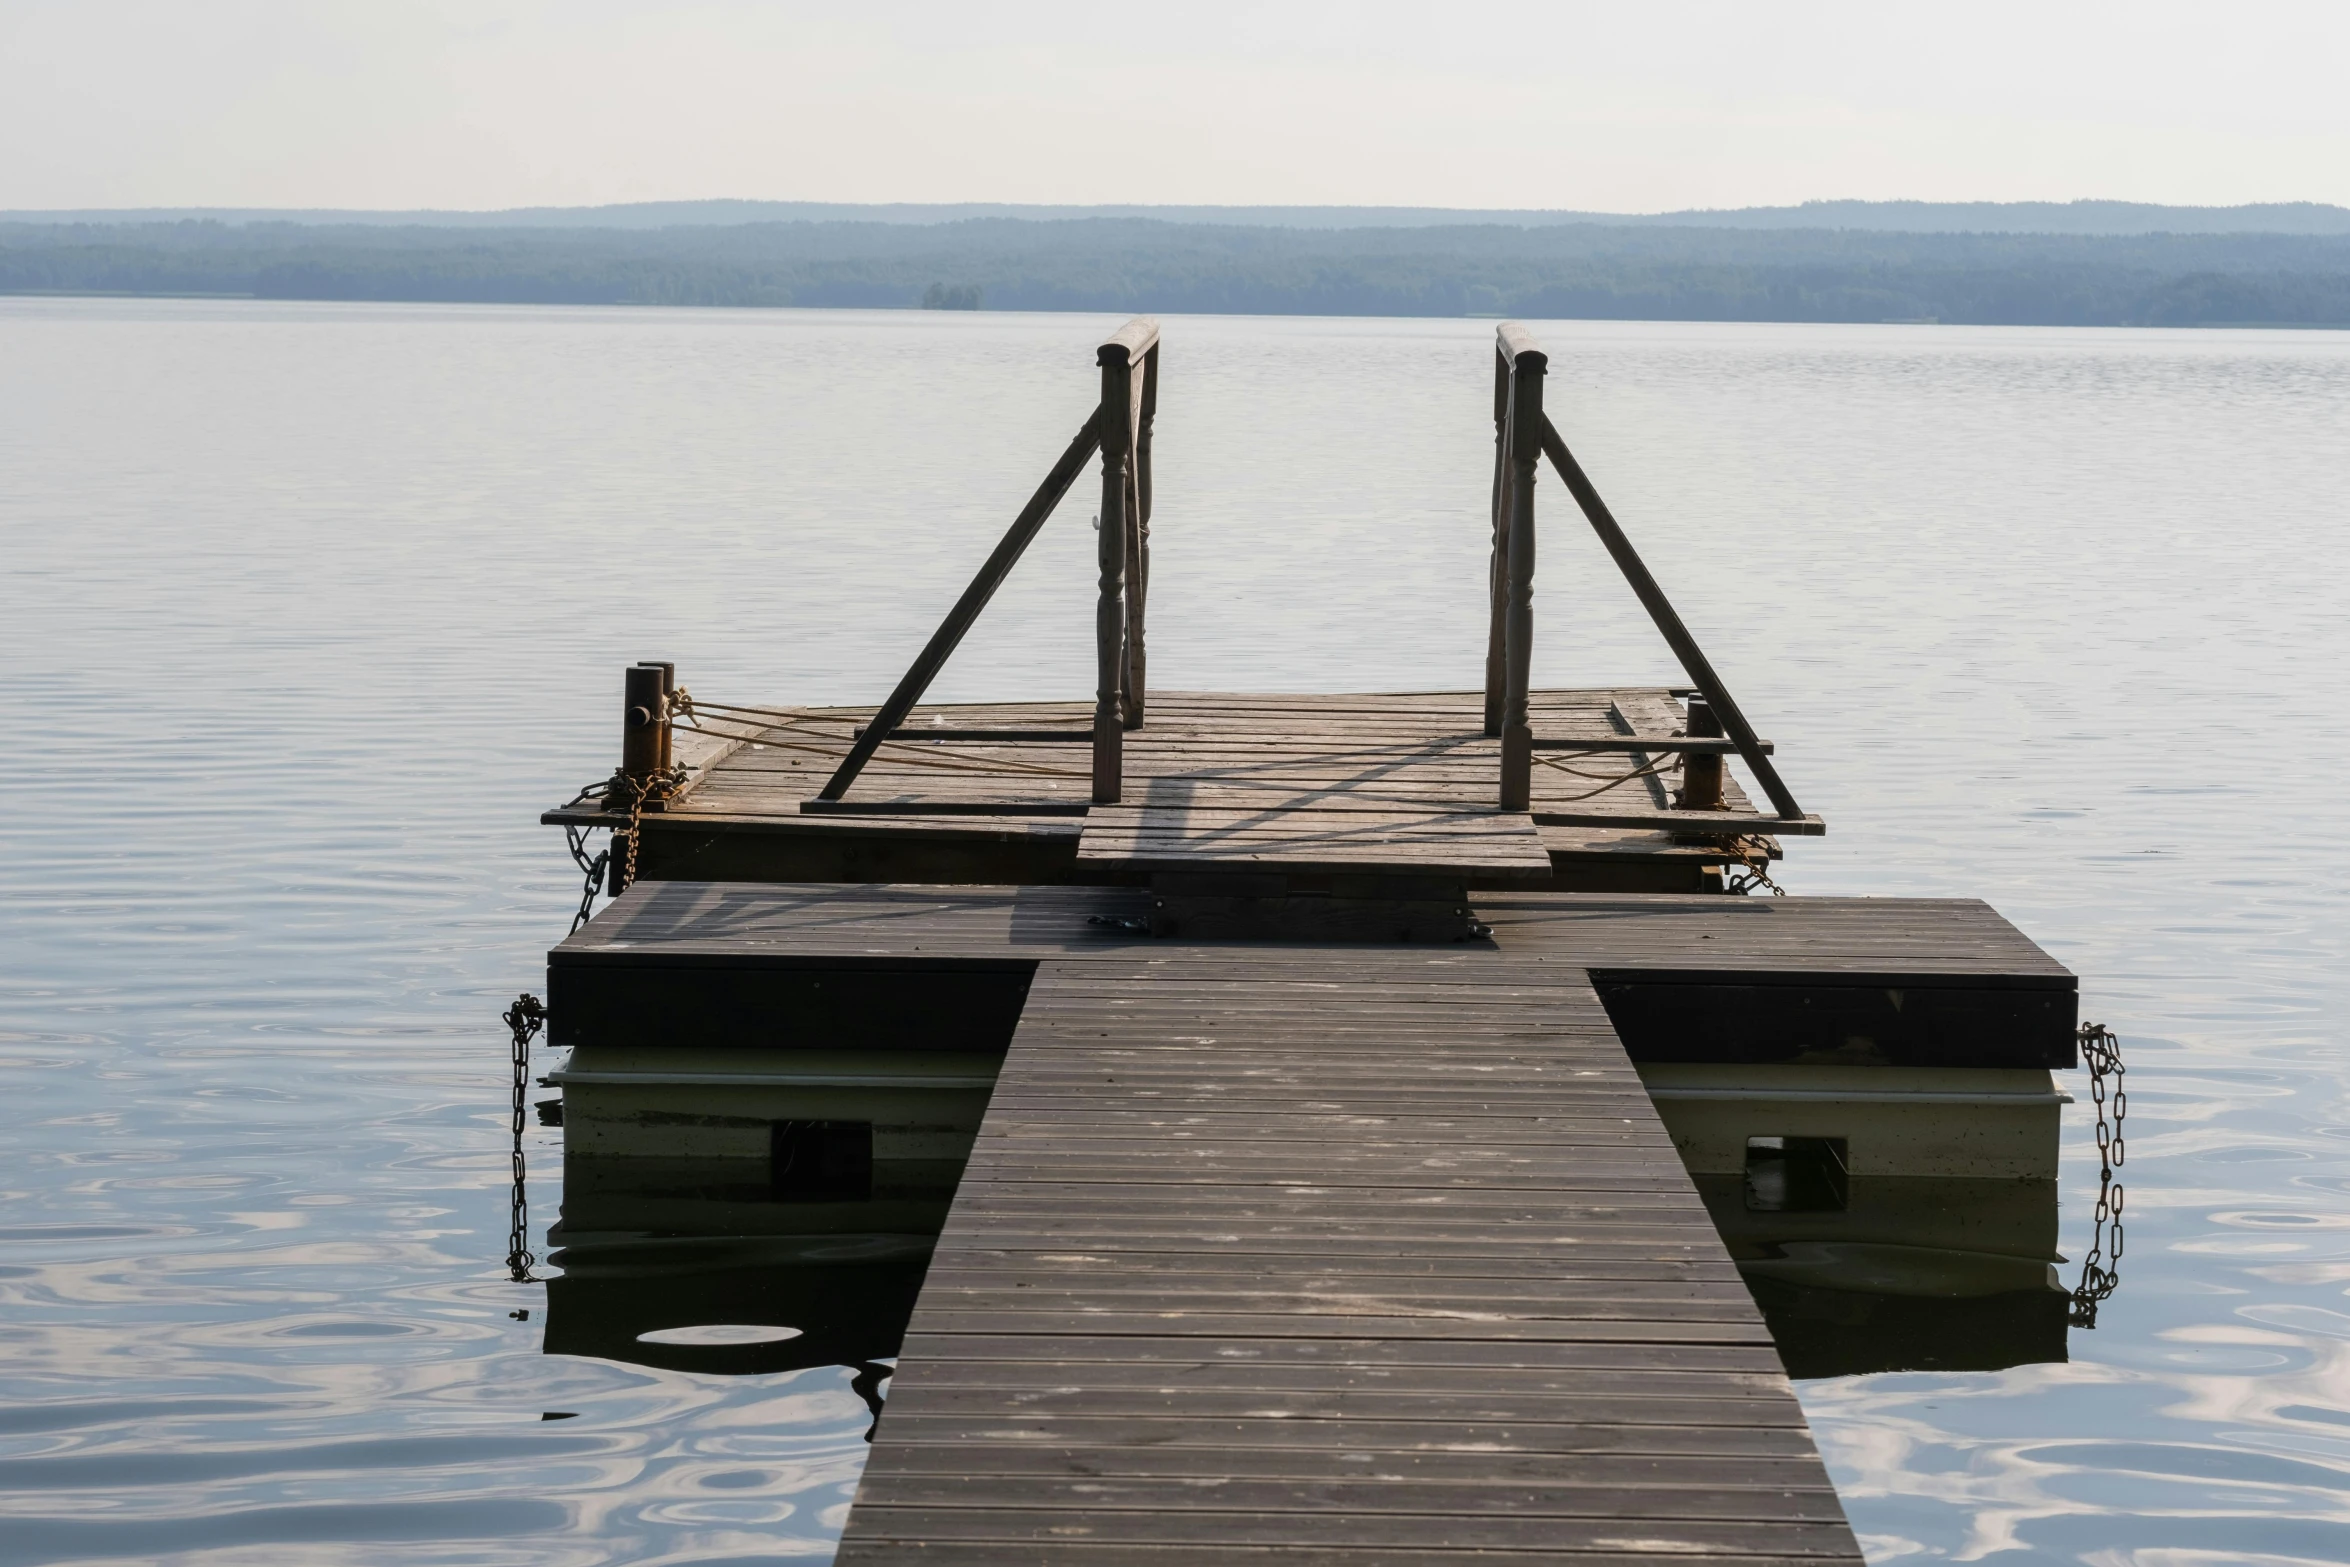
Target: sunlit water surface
(310, 610)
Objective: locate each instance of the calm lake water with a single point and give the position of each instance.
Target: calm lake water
(310, 610)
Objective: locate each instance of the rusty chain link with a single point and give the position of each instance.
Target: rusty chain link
(1752, 854)
(596, 868)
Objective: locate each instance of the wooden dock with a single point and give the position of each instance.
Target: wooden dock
(1223, 772)
(1583, 790)
(1318, 1214)
(1329, 1252)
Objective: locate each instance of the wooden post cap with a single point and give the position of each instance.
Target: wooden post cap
(1517, 345)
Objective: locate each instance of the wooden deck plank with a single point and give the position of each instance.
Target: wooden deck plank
(1043, 1530)
(1031, 1340)
(1078, 1553)
(1275, 1363)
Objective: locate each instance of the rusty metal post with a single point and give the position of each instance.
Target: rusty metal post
(641, 707)
(1701, 773)
(668, 690)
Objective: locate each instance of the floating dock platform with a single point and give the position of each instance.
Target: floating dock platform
(1329, 1118)
(1333, 1251)
(1000, 793)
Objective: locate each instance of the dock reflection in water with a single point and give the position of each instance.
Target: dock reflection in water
(1881, 1295)
(737, 1212)
(1884, 1218)
(796, 1229)
(731, 1305)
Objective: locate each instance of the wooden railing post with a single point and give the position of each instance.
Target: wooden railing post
(1701, 772)
(1526, 366)
(1124, 361)
(1138, 543)
(1497, 569)
(1119, 427)
(1109, 615)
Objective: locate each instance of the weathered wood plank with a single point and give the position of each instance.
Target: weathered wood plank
(1168, 1294)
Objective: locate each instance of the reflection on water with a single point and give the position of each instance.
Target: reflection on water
(1873, 1272)
(711, 1191)
(1840, 1310)
(313, 609)
(1889, 1218)
(697, 1303)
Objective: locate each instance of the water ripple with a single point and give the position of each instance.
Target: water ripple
(315, 607)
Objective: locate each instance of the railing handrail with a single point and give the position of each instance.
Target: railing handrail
(1129, 362)
(1130, 342)
(1668, 621)
(1521, 430)
(1515, 344)
(1123, 438)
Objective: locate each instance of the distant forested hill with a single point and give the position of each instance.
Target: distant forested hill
(1654, 270)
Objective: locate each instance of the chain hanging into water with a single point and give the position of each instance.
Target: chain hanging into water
(526, 1017)
(2101, 1052)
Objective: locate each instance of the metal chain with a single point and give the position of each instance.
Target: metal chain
(651, 786)
(526, 1017)
(2101, 1052)
(1754, 858)
(593, 867)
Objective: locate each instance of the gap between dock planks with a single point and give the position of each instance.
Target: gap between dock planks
(1332, 1256)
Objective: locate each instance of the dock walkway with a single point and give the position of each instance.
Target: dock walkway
(1307, 1252)
(1320, 1253)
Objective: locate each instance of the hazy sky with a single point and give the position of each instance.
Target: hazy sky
(407, 103)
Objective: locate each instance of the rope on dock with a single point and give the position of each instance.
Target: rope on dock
(1652, 770)
(2101, 1052)
(684, 705)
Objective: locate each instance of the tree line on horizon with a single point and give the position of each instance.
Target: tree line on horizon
(1581, 272)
